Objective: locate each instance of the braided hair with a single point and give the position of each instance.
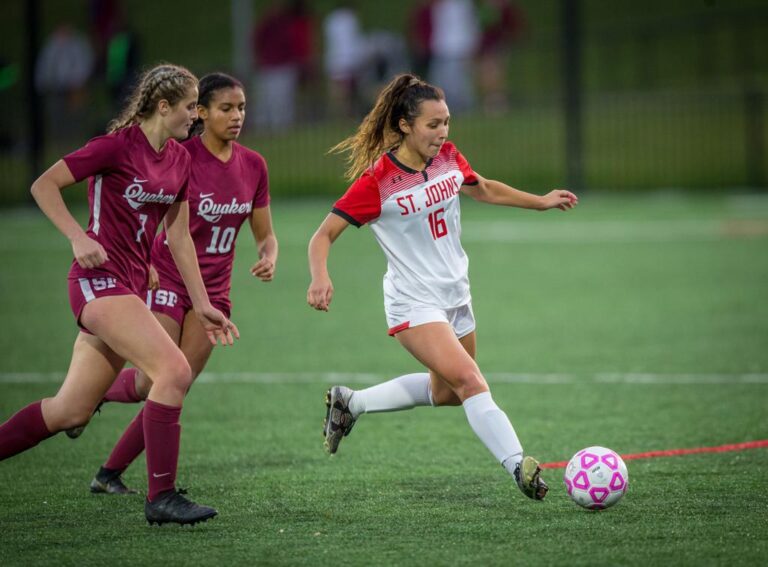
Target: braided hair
(209, 85)
(380, 129)
(169, 82)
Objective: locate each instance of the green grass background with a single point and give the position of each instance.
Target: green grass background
(663, 283)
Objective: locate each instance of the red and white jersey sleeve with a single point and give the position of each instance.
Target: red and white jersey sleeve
(416, 219)
(361, 203)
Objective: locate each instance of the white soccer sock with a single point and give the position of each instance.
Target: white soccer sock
(404, 392)
(493, 428)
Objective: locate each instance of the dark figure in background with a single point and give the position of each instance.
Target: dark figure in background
(117, 49)
(282, 43)
(62, 71)
(420, 36)
(501, 24)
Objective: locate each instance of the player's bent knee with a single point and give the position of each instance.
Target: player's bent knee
(470, 383)
(176, 374)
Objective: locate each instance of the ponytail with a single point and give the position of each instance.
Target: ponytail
(380, 129)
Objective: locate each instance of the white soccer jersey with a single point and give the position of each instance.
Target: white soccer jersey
(415, 217)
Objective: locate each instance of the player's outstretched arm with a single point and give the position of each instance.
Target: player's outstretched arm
(320, 292)
(498, 193)
(266, 244)
(182, 248)
(46, 191)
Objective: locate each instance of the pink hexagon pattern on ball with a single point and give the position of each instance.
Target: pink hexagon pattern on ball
(611, 460)
(588, 459)
(598, 494)
(568, 485)
(581, 480)
(617, 481)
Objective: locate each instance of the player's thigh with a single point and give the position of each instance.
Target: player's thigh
(173, 328)
(125, 324)
(91, 372)
(442, 393)
(195, 344)
(435, 345)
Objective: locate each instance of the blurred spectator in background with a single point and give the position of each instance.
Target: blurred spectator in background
(123, 64)
(420, 36)
(386, 56)
(345, 53)
(117, 49)
(283, 47)
(62, 70)
(454, 39)
(501, 24)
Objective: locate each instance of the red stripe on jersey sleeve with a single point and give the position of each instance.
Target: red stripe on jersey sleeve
(361, 203)
(470, 177)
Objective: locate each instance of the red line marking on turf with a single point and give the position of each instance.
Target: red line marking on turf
(677, 452)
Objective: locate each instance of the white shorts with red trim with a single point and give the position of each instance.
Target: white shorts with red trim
(461, 319)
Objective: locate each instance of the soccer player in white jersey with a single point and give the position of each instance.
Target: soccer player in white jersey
(408, 180)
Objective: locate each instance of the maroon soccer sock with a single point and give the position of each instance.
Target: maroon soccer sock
(24, 430)
(162, 435)
(123, 389)
(130, 445)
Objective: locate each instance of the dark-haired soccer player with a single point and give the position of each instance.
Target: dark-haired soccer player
(410, 178)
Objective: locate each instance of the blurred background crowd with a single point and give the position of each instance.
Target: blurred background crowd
(589, 93)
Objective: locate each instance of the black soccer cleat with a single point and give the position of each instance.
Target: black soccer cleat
(338, 419)
(108, 481)
(75, 432)
(171, 507)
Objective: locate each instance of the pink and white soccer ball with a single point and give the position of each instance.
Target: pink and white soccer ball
(596, 478)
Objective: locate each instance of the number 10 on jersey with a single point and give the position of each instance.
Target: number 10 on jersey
(221, 240)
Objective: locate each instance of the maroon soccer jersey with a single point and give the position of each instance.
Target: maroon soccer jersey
(221, 196)
(131, 187)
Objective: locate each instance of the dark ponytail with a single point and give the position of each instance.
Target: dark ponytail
(207, 88)
(380, 129)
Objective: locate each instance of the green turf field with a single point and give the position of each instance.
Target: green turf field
(635, 322)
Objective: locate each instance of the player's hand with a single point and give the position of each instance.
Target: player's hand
(154, 279)
(88, 252)
(320, 294)
(560, 199)
(217, 326)
(264, 269)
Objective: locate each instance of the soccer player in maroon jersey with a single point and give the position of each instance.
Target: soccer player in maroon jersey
(407, 191)
(228, 185)
(138, 176)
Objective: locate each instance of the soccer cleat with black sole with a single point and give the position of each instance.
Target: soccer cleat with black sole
(529, 481)
(338, 419)
(109, 482)
(172, 507)
(75, 432)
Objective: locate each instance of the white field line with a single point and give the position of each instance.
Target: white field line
(372, 378)
(582, 231)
